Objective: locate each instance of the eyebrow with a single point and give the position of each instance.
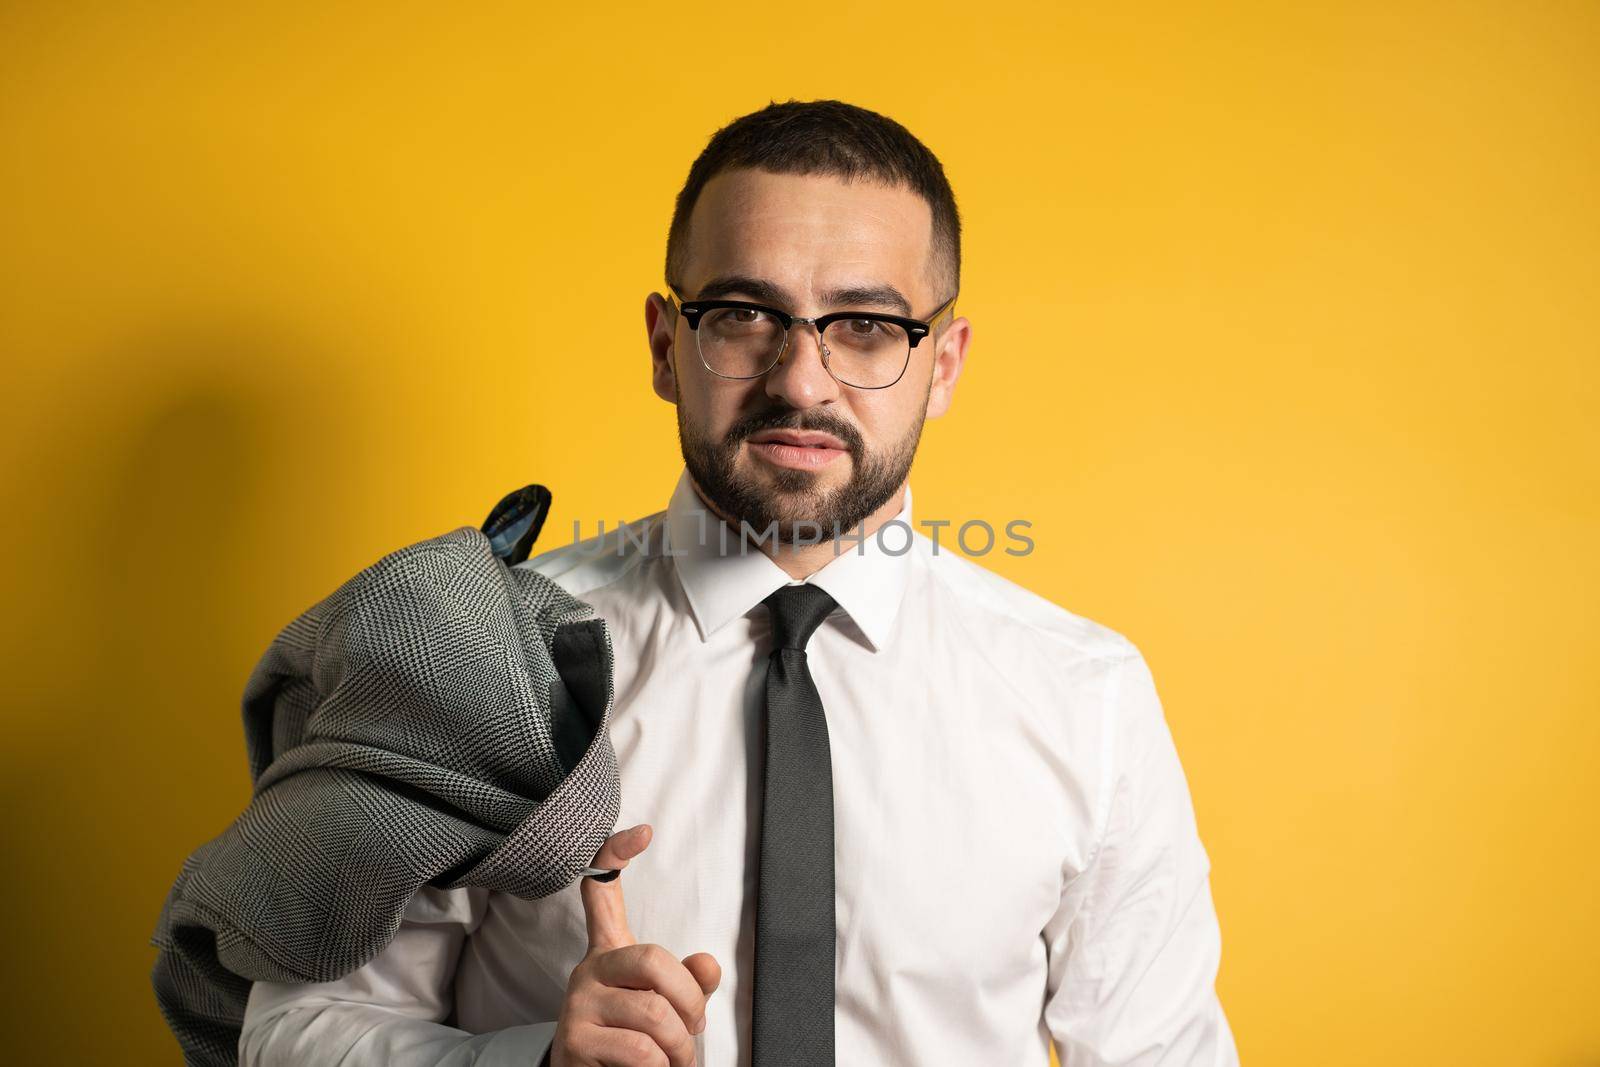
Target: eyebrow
(869, 295)
(762, 291)
(757, 289)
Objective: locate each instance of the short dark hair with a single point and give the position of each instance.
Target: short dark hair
(824, 137)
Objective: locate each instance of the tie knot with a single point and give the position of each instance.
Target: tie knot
(797, 611)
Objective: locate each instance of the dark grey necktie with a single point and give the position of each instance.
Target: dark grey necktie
(792, 1025)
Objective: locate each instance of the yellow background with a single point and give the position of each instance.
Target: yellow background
(1286, 342)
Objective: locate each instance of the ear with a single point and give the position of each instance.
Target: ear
(660, 324)
(948, 359)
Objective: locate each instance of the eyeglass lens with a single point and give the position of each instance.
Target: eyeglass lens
(744, 342)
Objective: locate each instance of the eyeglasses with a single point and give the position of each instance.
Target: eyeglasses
(862, 349)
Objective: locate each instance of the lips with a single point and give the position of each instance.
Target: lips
(801, 450)
(797, 439)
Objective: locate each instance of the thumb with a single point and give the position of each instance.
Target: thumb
(706, 970)
(603, 911)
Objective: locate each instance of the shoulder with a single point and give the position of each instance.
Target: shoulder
(1012, 612)
(591, 565)
(1085, 685)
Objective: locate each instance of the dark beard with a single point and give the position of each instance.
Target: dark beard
(873, 479)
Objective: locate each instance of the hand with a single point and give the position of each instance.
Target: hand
(629, 1005)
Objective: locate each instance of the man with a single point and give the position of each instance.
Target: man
(902, 810)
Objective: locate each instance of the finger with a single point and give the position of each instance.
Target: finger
(706, 970)
(653, 967)
(611, 1046)
(603, 911)
(649, 1013)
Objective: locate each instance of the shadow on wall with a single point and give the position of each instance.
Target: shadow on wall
(143, 496)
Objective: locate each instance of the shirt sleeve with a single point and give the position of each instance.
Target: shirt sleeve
(1135, 945)
(390, 1012)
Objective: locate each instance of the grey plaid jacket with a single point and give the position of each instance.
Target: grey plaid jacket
(440, 719)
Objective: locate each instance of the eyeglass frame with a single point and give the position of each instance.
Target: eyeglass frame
(916, 330)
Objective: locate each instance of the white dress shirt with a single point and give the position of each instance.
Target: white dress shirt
(1015, 849)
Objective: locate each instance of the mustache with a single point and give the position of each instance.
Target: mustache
(791, 419)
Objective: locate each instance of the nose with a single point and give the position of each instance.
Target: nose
(800, 378)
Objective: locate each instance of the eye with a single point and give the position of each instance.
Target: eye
(863, 327)
(738, 324)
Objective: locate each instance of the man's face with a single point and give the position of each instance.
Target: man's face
(808, 245)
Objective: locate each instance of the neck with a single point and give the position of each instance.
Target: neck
(802, 561)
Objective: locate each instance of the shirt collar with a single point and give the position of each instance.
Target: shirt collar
(722, 583)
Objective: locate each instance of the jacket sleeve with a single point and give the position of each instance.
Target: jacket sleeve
(390, 1012)
(1134, 947)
